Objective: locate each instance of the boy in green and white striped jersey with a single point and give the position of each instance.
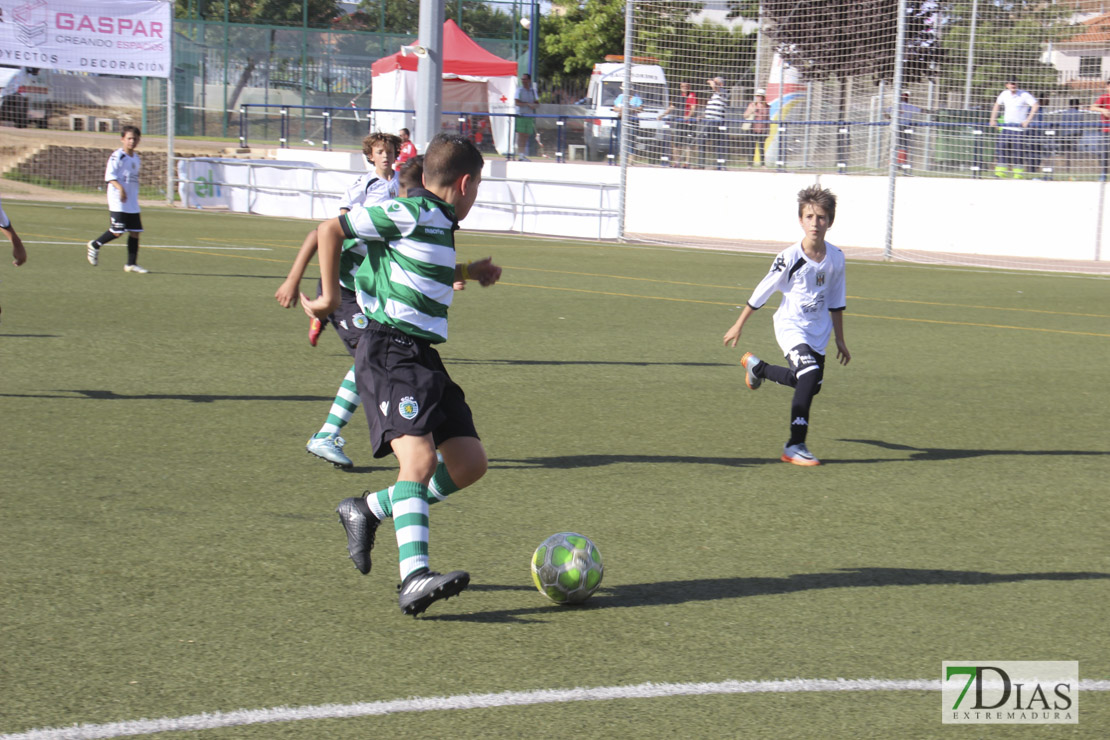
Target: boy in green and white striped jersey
(404, 286)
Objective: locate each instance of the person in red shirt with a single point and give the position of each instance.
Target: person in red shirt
(1102, 106)
(687, 127)
(408, 149)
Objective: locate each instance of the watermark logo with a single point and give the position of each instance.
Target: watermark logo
(1010, 692)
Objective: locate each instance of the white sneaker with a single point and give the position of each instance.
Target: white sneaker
(799, 455)
(135, 268)
(331, 449)
(92, 253)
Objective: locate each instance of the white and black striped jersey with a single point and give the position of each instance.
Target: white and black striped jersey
(371, 189)
(809, 291)
(715, 107)
(124, 169)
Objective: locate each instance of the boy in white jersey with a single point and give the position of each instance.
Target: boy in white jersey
(122, 176)
(810, 276)
(379, 185)
(404, 286)
(19, 253)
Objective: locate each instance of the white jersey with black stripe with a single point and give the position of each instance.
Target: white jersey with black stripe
(810, 290)
(124, 169)
(371, 189)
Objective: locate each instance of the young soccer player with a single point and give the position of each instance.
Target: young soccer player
(404, 285)
(810, 276)
(122, 176)
(377, 186)
(19, 253)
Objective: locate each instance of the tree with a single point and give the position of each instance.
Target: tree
(1009, 40)
(320, 13)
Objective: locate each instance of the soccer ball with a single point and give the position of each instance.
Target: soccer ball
(567, 568)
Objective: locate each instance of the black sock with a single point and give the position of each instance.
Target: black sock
(103, 239)
(132, 248)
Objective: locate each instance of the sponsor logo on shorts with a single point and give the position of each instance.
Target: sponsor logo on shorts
(360, 321)
(409, 408)
(384, 406)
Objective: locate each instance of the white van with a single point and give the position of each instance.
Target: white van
(648, 83)
(23, 98)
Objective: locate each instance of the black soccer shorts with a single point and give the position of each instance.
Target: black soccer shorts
(406, 390)
(119, 222)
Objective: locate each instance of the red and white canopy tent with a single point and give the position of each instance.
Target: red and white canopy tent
(474, 81)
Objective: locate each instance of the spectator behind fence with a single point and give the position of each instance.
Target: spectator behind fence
(687, 127)
(757, 124)
(713, 141)
(1102, 107)
(1012, 148)
(906, 113)
(527, 103)
(628, 116)
(407, 150)
(1069, 130)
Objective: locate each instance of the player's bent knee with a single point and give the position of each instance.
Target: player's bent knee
(466, 460)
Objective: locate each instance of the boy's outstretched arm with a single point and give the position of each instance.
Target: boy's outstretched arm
(732, 336)
(19, 252)
(842, 352)
(287, 294)
(329, 243)
(483, 270)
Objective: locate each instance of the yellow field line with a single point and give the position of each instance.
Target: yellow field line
(854, 315)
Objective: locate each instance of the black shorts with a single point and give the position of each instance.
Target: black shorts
(119, 222)
(405, 390)
(349, 321)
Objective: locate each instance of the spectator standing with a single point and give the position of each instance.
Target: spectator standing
(1012, 149)
(687, 127)
(1102, 107)
(713, 141)
(628, 116)
(407, 150)
(758, 121)
(906, 113)
(527, 103)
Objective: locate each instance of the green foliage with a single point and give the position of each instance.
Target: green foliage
(1009, 40)
(263, 12)
(572, 42)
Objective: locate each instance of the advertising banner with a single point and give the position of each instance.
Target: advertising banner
(116, 37)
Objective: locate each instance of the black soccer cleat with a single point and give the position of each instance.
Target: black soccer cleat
(360, 525)
(422, 588)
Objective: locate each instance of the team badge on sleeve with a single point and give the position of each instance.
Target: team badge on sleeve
(409, 408)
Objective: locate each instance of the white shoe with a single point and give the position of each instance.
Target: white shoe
(799, 454)
(93, 254)
(135, 268)
(330, 448)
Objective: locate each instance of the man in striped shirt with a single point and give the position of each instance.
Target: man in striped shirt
(405, 286)
(714, 123)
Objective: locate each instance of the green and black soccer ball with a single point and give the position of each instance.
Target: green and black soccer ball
(567, 568)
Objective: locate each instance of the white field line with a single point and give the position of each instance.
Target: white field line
(165, 246)
(215, 720)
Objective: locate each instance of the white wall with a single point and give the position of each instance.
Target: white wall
(1025, 218)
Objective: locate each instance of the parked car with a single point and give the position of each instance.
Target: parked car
(24, 99)
(649, 83)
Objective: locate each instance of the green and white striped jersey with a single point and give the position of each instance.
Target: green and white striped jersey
(405, 278)
(350, 259)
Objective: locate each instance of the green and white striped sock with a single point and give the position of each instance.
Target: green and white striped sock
(439, 489)
(410, 523)
(342, 408)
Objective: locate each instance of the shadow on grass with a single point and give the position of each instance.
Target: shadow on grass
(193, 397)
(622, 363)
(711, 589)
(930, 454)
(571, 462)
